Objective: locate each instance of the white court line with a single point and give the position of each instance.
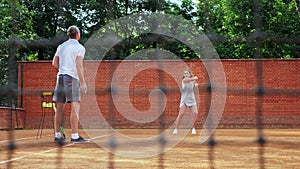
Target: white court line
(25, 138)
(38, 153)
(46, 151)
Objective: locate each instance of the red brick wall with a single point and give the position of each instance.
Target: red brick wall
(16, 115)
(279, 110)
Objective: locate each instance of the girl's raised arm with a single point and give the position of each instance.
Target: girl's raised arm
(188, 79)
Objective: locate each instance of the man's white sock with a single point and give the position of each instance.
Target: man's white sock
(57, 135)
(75, 136)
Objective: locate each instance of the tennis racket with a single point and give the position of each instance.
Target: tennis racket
(62, 130)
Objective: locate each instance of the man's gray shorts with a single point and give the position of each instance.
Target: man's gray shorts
(67, 89)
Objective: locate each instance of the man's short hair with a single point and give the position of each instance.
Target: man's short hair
(72, 30)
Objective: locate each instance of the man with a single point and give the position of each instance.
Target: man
(68, 60)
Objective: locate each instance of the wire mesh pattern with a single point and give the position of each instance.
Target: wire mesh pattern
(11, 93)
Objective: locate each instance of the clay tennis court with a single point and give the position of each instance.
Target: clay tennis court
(235, 148)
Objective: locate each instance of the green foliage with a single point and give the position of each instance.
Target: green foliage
(233, 19)
(240, 19)
(280, 18)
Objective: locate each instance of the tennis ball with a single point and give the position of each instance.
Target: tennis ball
(44, 104)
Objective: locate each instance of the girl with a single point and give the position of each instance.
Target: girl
(187, 101)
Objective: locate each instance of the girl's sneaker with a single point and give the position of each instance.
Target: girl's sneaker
(175, 132)
(193, 131)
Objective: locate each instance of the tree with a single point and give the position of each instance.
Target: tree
(16, 23)
(233, 22)
(50, 19)
(281, 21)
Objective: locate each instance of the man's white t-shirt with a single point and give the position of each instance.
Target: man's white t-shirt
(67, 53)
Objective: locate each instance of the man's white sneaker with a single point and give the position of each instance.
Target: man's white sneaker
(175, 132)
(193, 131)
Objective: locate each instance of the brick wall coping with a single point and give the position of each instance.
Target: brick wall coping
(46, 61)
